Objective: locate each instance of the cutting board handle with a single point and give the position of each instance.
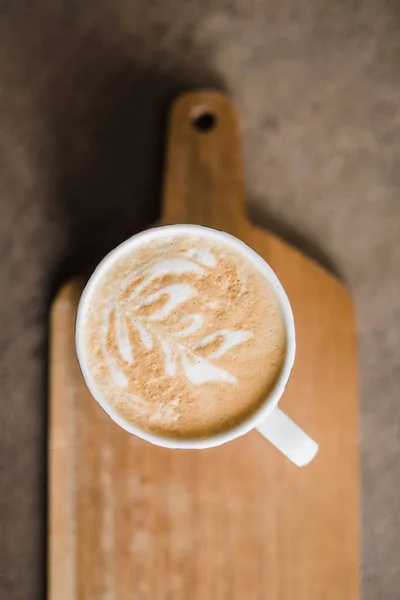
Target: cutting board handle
(204, 177)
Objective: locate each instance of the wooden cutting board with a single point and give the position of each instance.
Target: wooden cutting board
(128, 520)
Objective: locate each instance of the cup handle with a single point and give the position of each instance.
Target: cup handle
(283, 433)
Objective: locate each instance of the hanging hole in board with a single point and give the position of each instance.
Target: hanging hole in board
(204, 121)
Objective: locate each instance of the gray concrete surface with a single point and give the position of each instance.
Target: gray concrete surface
(83, 92)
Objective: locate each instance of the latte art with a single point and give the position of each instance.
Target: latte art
(146, 304)
(183, 336)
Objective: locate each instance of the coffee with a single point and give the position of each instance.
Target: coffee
(183, 335)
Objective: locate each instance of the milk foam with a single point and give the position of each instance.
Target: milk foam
(174, 333)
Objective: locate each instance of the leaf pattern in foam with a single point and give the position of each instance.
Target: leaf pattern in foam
(177, 293)
(200, 371)
(122, 337)
(197, 369)
(167, 267)
(229, 339)
(170, 361)
(204, 257)
(117, 375)
(194, 322)
(145, 335)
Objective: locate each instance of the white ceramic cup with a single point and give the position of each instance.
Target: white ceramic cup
(269, 420)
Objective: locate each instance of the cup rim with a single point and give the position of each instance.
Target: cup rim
(275, 394)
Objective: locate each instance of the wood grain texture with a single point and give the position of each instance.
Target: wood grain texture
(131, 520)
